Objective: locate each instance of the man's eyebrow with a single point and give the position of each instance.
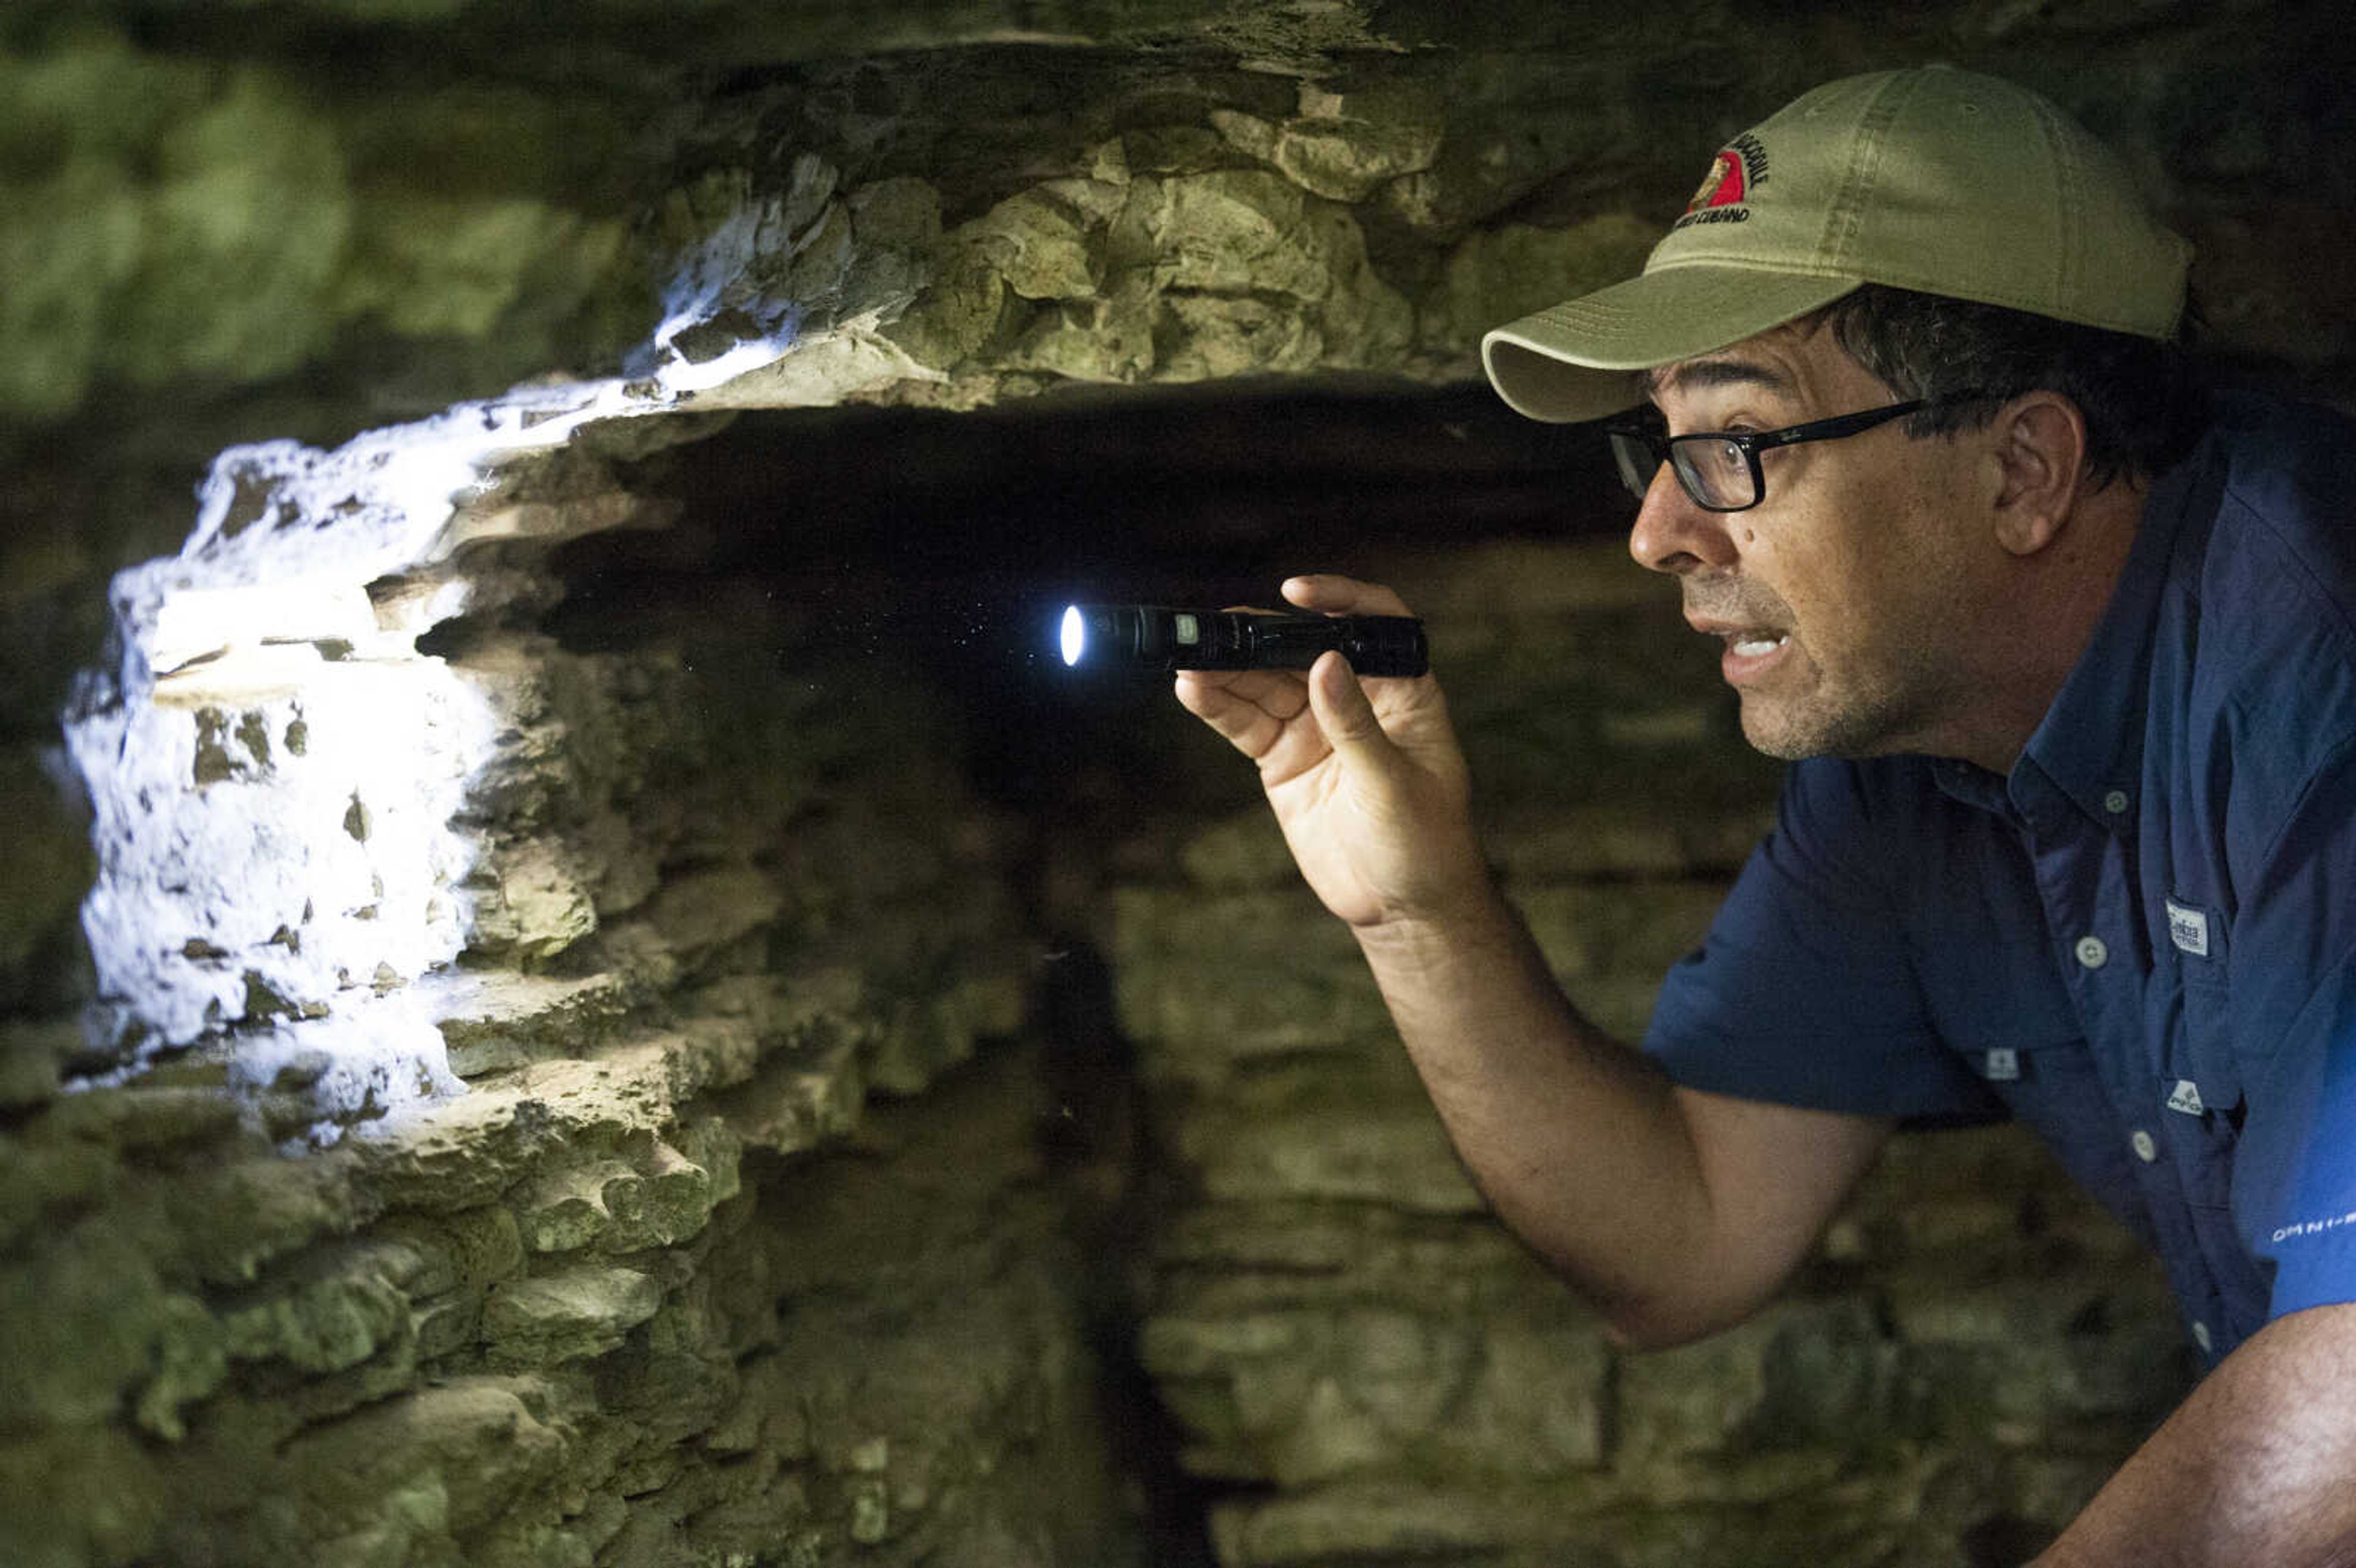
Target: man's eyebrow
(1698, 375)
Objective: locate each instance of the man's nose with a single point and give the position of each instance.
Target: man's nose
(1672, 533)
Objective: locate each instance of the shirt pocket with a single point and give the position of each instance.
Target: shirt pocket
(2011, 1023)
(2200, 1096)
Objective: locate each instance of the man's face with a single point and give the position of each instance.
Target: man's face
(1847, 598)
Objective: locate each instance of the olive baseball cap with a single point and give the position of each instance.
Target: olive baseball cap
(1933, 179)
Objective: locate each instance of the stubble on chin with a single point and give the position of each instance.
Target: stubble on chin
(1850, 724)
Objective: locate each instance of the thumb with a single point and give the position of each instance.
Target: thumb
(1345, 715)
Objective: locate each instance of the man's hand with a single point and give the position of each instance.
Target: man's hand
(1367, 781)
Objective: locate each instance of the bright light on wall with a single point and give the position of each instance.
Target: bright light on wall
(274, 765)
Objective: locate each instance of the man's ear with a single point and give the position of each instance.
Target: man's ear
(2039, 445)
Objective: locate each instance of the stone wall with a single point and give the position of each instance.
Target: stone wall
(641, 1279)
(1368, 1370)
(737, 1245)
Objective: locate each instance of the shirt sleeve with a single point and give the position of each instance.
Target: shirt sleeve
(2291, 1013)
(1804, 993)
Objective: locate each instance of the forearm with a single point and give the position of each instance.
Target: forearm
(1578, 1140)
(2258, 1466)
(1673, 1212)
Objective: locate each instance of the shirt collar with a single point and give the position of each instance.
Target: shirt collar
(2090, 744)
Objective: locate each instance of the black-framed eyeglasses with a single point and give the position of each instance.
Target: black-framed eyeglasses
(1719, 468)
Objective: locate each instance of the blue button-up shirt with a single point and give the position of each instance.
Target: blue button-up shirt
(2141, 943)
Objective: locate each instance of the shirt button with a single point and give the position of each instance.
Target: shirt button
(2090, 951)
(2115, 802)
(2200, 1337)
(2147, 1148)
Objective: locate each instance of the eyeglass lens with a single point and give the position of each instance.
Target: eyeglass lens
(1638, 461)
(1717, 473)
(1714, 472)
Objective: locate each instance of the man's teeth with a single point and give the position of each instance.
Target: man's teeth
(1751, 647)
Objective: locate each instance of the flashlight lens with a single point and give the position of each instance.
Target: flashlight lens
(1076, 634)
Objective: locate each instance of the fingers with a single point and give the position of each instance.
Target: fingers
(1249, 708)
(1345, 715)
(1333, 595)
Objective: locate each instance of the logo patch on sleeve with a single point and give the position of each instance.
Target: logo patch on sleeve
(2188, 929)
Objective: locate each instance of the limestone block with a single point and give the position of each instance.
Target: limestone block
(712, 1053)
(697, 913)
(1536, 1402)
(82, 1317)
(43, 1182)
(580, 1310)
(1396, 1154)
(506, 517)
(1398, 1520)
(710, 1143)
(565, 1210)
(428, 262)
(495, 1020)
(1801, 1373)
(2026, 1357)
(1694, 1400)
(339, 1308)
(795, 1104)
(927, 1035)
(534, 905)
(137, 1116)
(45, 844)
(80, 1495)
(1612, 944)
(1302, 1396)
(191, 1361)
(958, 315)
(1040, 244)
(446, 1325)
(231, 1218)
(1243, 852)
(449, 1459)
(821, 277)
(902, 213)
(1633, 839)
(1343, 145)
(203, 232)
(1384, 1249)
(31, 1062)
(1208, 981)
(484, 1245)
(459, 1155)
(1108, 339)
(665, 1199)
(1229, 231)
(1219, 336)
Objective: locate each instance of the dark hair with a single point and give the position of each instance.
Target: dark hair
(2144, 399)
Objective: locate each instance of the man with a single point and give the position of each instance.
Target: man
(2071, 655)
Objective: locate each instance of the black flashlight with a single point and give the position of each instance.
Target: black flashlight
(1154, 637)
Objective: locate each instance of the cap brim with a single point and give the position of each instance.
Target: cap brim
(1571, 361)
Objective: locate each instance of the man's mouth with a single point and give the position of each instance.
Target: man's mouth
(1753, 648)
